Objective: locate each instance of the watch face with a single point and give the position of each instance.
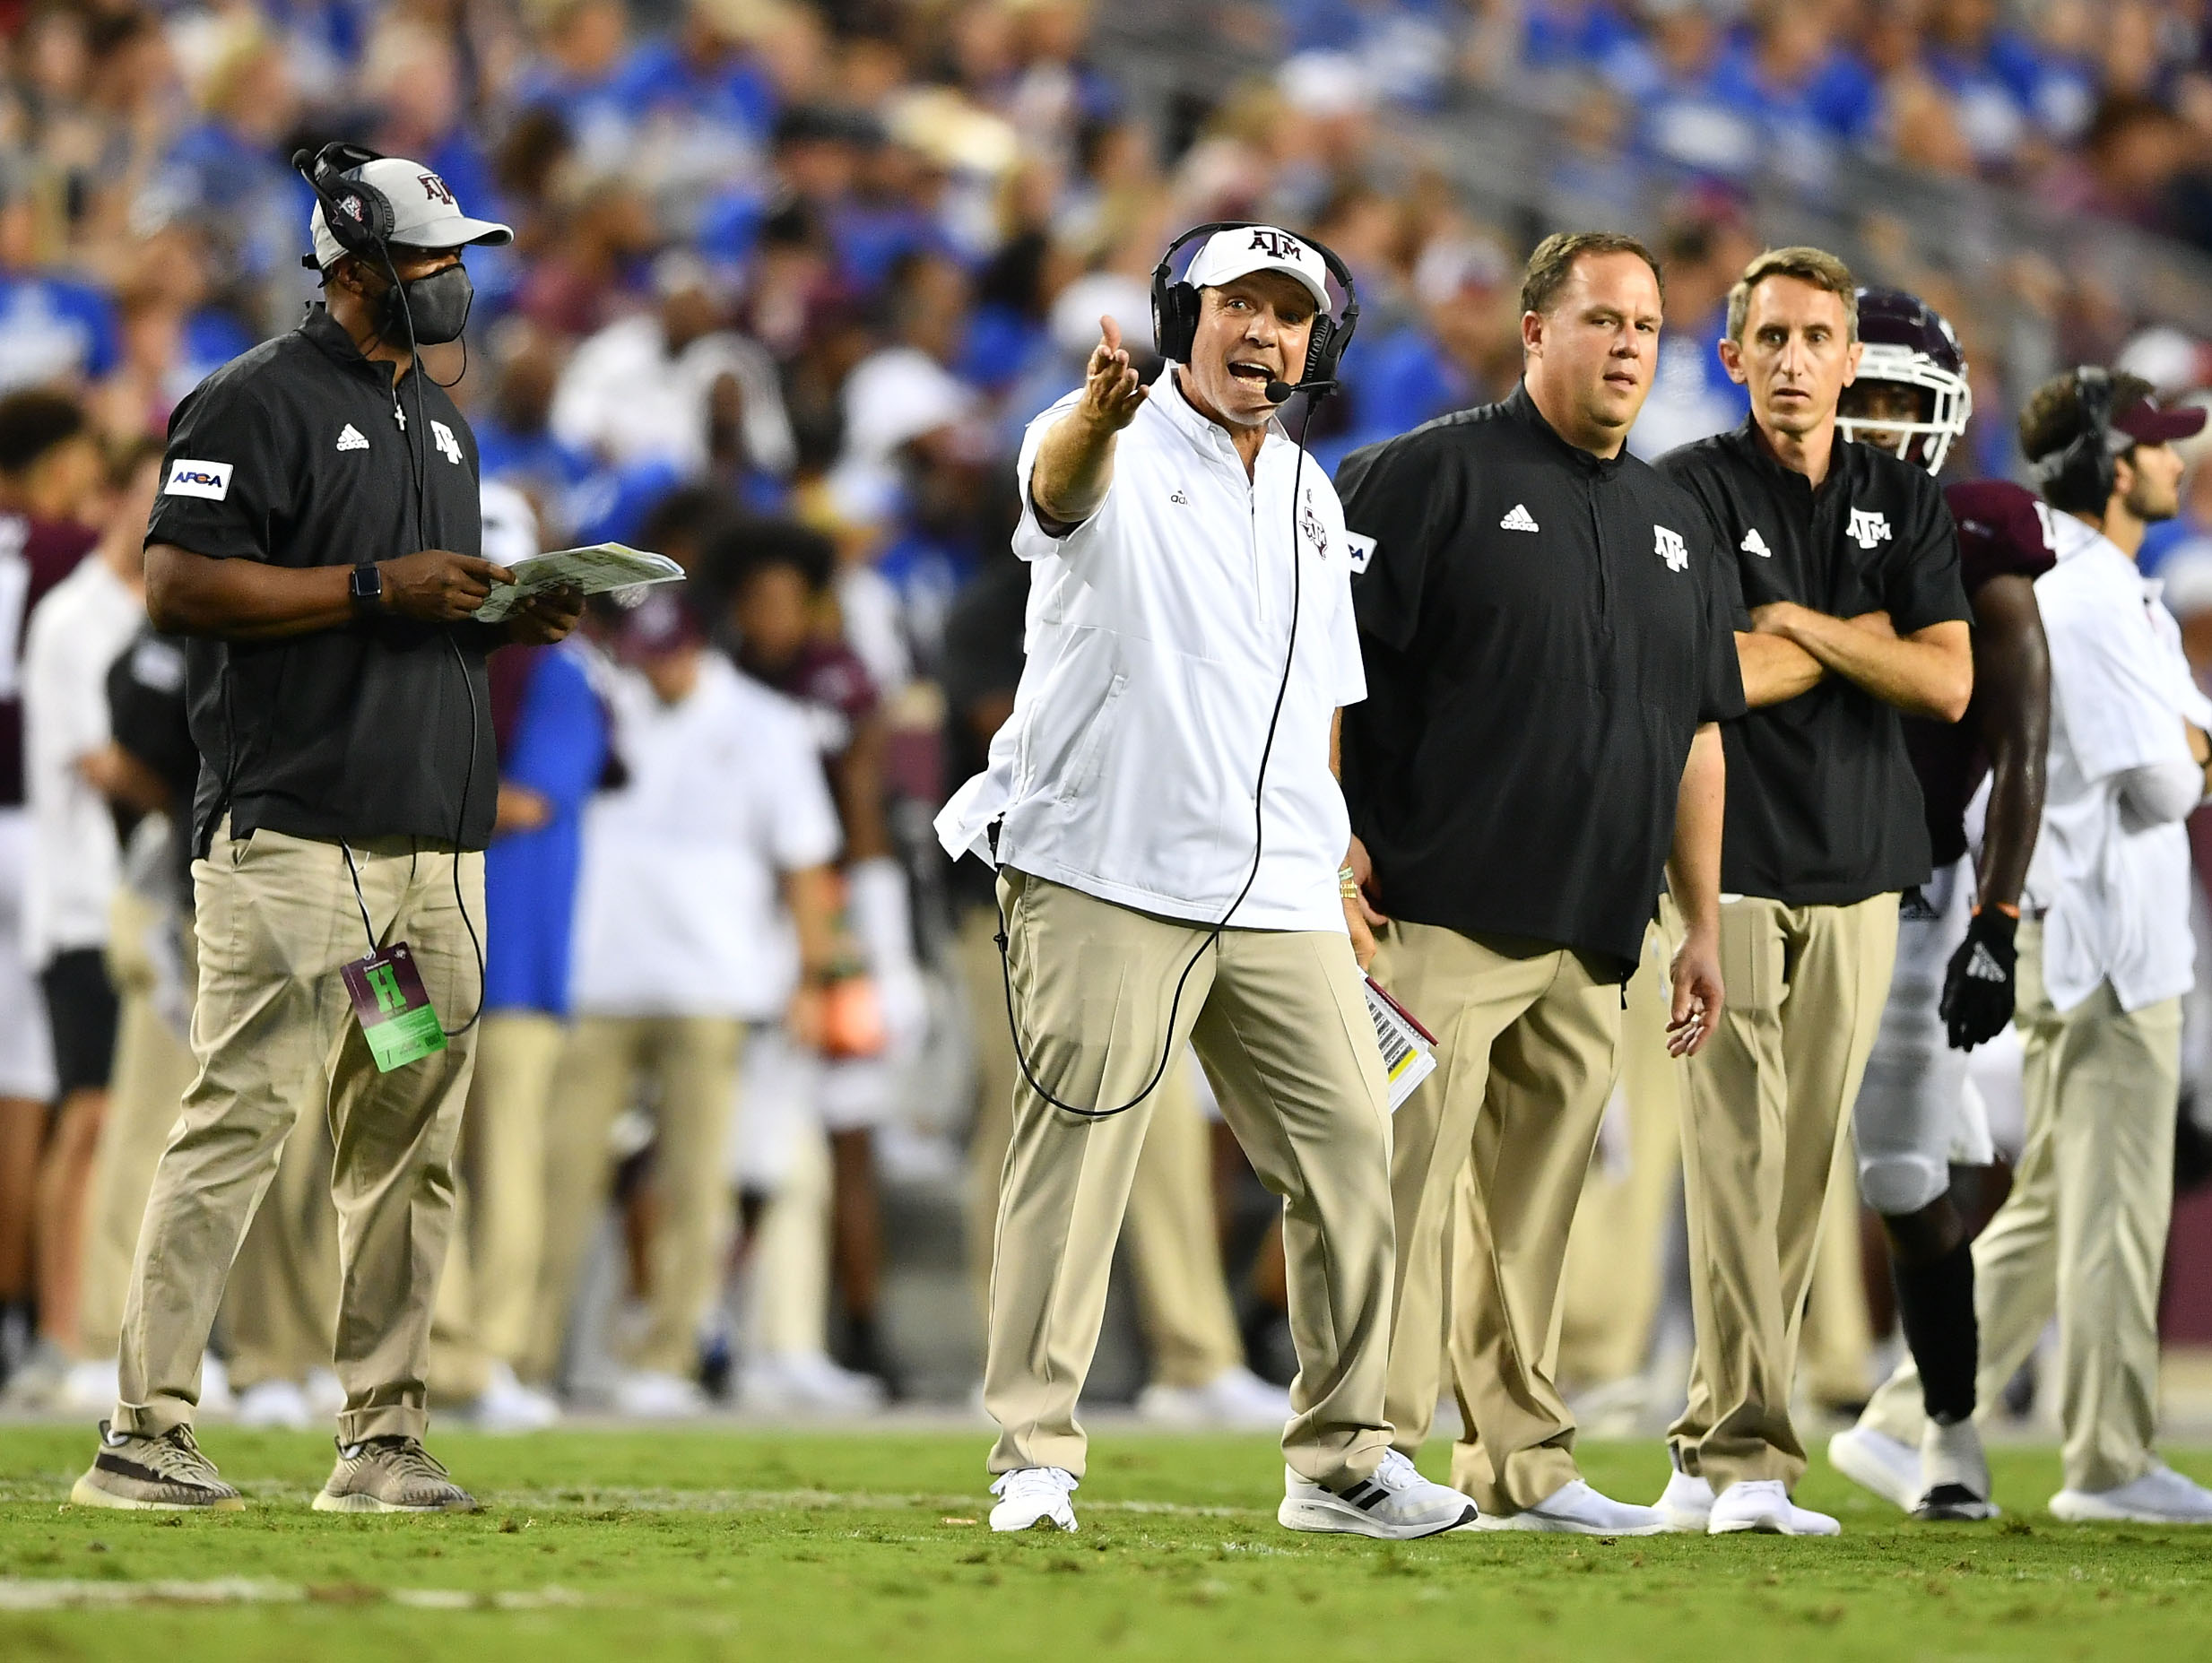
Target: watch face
(367, 585)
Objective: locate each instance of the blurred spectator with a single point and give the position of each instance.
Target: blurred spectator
(53, 328)
(722, 809)
(1692, 396)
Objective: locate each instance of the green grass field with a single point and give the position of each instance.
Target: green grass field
(704, 1544)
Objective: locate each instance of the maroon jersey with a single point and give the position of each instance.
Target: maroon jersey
(2003, 530)
(830, 680)
(34, 556)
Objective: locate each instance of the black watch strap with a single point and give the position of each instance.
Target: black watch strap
(367, 588)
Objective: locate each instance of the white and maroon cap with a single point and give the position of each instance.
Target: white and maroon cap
(1226, 256)
(424, 214)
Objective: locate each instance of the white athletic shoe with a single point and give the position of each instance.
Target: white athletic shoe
(1763, 1505)
(1574, 1509)
(1395, 1503)
(1876, 1461)
(1953, 1473)
(2160, 1496)
(1685, 1507)
(1235, 1399)
(1030, 1496)
(275, 1403)
(646, 1394)
(507, 1405)
(805, 1382)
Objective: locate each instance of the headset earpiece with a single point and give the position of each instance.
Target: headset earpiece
(2080, 477)
(1176, 306)
(359, 215)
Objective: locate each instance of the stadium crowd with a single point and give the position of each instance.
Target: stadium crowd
(789, 283)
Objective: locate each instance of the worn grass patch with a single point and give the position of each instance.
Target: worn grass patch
(710, 1544)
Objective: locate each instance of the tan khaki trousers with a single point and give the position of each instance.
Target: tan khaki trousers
(2083, 1233)
(1768, 1099)
(688, 1065)
(1182, 1302)
(1617, 1253)
(153, 1068)
(1835, 1352)
(503, 1165)
(1280, 1021)
(283, 1300)
(275, 1038)
(1497, 1141)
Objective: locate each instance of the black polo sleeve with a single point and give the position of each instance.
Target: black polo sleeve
(1922, 585)
(1679, 469)
(226, 480)
(1391, 495)
(1721, 698)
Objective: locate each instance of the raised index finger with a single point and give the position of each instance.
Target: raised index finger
(1110, 333)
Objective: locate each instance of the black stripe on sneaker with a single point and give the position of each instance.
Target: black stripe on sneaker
(1362, 1493)
(107, 1460)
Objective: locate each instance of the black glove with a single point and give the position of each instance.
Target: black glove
(1978, 984)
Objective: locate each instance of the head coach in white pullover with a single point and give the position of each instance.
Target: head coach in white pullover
(1190, 621)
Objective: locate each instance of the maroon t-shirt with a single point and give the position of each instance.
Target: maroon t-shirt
(829, 676)
(2002, 533)
(34, 556)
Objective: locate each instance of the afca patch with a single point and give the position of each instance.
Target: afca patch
(187, 478)
(1362, 549)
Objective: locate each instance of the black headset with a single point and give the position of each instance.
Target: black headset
(1174, 323)
(360, 216)
(1176, 306)
(2080, 475)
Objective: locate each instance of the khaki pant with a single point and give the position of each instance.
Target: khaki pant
(276, 1038)
(1280, 1021)
(1835, 1352)
(1768, 1099)
(504, 1165)
(1497, 1141)
(2083, 1232)
(153, 1070)
(282, 1299)
(1616, 1254)
(1182, 1302)
(690, 1065)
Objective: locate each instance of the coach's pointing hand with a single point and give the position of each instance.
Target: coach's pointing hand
(1112, 388)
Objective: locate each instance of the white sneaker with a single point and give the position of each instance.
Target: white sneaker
(1235, 1399)
(275, 1403)
(805, 1382)
(1574, 1509)
(507, 1405)
(1876, 1461)
(1030, 1496)
(1953, 1473)
(1685, 1506)
(646, 1394)
(326, 1396)
(2160, 1496)
(1395, 1502)
(1763, 1505)
(92, 1387)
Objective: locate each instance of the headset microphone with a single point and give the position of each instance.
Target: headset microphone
(1282, 391)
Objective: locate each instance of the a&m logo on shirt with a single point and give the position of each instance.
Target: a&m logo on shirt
(448, 445)
(1669, 547)
(1316, 532)
(1869, 526)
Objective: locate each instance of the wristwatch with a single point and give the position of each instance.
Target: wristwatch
(366, 586)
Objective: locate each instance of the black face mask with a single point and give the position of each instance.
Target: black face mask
(437, 306)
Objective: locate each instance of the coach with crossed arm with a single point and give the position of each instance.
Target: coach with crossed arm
(341, 708)
(1547, 652)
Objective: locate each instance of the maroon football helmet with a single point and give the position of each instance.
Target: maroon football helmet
(1909, 343)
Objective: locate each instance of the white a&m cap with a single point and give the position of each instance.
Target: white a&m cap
(424, 214)
(1226, 256)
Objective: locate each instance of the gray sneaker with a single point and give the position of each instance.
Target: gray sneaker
(164, 1474)
(391, 1475)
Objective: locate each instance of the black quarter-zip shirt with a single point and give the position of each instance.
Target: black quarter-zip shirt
(302, 453)
(1543, 630)
(1823, 807)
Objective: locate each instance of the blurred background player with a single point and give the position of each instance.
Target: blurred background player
(1918, 1116)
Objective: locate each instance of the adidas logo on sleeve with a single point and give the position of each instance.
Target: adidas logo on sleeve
(351, 439)
(1518, 519)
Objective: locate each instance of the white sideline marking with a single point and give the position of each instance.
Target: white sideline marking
(69, 1593)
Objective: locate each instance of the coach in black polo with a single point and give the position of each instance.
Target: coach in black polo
(316, 538)
(1847, 562)
(1548, 650)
